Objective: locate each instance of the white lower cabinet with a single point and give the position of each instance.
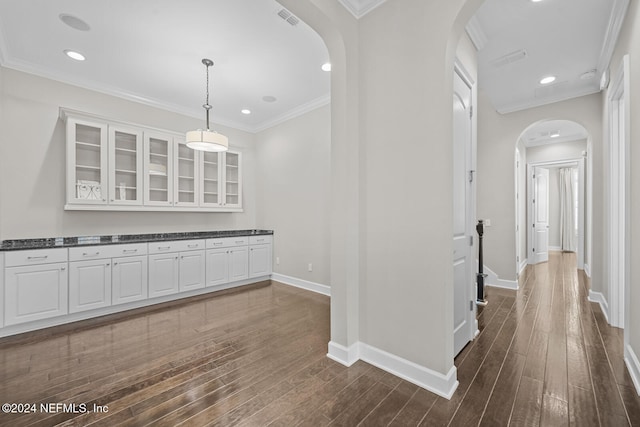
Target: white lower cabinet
(35, 292)
(129, 279)
(259, 260)
(163, 274)
(89, 285)
(217, 266)
(238, 263)
(192, 270)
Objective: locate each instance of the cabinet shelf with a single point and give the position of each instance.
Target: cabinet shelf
(125, 171)
(93, 168)
(164, 190)
(210, 194)
(232, 182)
(232, 166)
(187, 177)
(158, 154)
(125, 150)
(210, 163)
(210, 180)
(89, 145)
(185, 191)
(186, 159)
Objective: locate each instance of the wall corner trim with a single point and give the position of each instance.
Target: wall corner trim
(600, 299)
(493, 280)
(359, 8)
(302, 284)
(633, 365)
(440, 384)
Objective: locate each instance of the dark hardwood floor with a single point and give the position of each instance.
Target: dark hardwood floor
(545, 356)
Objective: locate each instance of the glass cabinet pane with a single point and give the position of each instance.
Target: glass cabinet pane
(210, 179)
(87, 160)
(232, 178)
(158, 157)
(186, 175)
(125, 166)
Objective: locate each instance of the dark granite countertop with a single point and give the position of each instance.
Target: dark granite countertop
(70, 242)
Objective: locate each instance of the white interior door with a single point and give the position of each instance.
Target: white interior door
(540, 250)
(463, 281)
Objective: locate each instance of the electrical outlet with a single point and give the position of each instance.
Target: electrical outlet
(310, 267)
(487, 223)
(277, 260)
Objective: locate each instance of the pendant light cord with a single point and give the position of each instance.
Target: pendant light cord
(206, 106)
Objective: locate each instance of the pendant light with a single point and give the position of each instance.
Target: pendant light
(207, 139)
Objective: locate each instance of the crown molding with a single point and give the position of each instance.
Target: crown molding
(293, 113)
(359, 8)
(613, 31)
(559, 140)
(512, 108)
(476, 33)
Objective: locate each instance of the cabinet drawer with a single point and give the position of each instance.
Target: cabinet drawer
(260, 240)
(36, 256)
(176, 246)
(106, 251)
(227, 242)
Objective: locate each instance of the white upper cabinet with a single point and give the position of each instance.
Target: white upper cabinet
(210, 179)
(117, 166)
(125, 173)
(158, 169)
(86, 162)
(232, 180)
(186, 183)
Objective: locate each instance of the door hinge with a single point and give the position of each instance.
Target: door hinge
(534, 249)
(517, 258)
(471, 175)
(470, 305)
(534, 225)
(470, 240)
(471, 111)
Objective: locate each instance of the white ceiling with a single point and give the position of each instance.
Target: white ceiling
(520, 41)
(151, 51)
(542, 133)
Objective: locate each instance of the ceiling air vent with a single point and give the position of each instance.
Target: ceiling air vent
(509, 58)
(289, 17)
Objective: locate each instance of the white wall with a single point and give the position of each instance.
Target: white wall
(497, 138)
(629, 43)
(32, 176)
(522, 204)
(293, 193)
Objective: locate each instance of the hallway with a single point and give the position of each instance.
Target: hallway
(545, 356)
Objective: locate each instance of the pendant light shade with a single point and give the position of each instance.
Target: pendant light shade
(207, 139)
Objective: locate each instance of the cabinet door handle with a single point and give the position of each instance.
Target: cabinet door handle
(251, 249)
(193, 246)
(115, 263)
(63, 268)
(176, 257)
(37, 257)
(163, 248)
(88, 254)
(108, 264)
(217, 243)
(240, 242)
(260, 240)
(129, 251)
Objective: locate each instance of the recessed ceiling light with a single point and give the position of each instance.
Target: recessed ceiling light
(245, 111)
(535, 1)
(74, 55)
(554, 134)
(269, 98)
(326, 66)
(547, 80)
(74, 22)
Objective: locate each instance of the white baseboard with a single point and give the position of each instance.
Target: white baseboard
(492, 279)
(587, 270)
(633, 365)
(523, 265)
(435, 382)
(343, 355)
(600, 299)
(555, 248)
(303, 284)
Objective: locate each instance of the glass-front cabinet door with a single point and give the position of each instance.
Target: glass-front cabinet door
(125, 170)
(186, 179)
(210, 173)
(86, 162)
(158, 169)
(232, 180)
